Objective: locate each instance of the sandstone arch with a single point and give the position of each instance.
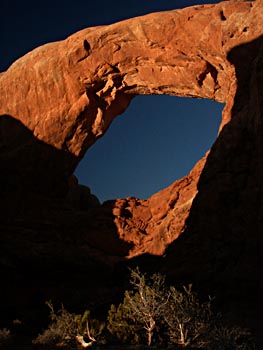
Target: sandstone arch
(66, 94)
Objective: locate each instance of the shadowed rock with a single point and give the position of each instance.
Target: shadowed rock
(57, 100)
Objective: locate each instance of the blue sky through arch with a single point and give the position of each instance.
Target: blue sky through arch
(156, 141)
(141, 153)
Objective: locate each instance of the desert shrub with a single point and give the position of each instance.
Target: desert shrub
(151, 311)
(224, 337)
(193, 324)
(62, 330)
(189, 321)
(5, 335)
(123, 325)
(67, 328)
(141, 313)
(89, 328)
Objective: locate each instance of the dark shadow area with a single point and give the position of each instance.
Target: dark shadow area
(29, 164)
(51, 249)
(221, 250)
(56, 240)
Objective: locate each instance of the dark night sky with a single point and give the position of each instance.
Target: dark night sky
(158, 139)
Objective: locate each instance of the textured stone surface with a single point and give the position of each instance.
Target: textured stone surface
(59, 99)
(150, 225)
(68, 92)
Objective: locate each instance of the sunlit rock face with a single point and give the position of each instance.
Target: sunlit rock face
(67, 93)
(57, 100)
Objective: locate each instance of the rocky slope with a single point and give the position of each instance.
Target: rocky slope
(57, 100)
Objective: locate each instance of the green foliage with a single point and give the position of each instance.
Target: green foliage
(189, 321)
(66, 326)
(142, 308)
(89, 327)
(151, 309)
(62, 329)
(123, 325)
(150, 313)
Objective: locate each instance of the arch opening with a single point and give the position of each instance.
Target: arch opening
(156, 141)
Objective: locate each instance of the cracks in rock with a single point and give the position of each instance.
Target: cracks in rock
(112, 83)
(108, 37)
(173, 201)
(94, 86)
(73, 131)
(86, 45)
(154, 45)
(222, 16)
(131, 89)
(87, 48)
(104, 69)
(209, 69)
(109, 80)
(109, 76)
(117, 47)
(82, 58)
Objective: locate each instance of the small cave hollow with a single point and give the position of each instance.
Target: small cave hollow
(156, 141)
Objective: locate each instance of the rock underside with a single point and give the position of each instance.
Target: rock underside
(57, 240)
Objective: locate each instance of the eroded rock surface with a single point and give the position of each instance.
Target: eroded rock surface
(57, 100)
(68, 92)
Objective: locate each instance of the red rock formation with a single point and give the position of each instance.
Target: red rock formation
(60, 98)
(67, 93)
(150, 225)
(86, 89)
